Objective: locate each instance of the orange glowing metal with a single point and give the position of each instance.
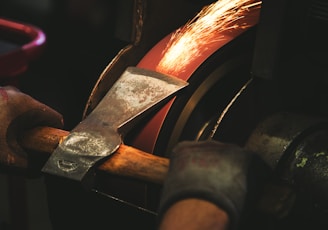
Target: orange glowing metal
(202, 31)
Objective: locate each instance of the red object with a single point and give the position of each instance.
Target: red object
(146, 139)
(20, 44)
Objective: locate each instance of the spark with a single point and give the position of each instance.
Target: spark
(204, 29)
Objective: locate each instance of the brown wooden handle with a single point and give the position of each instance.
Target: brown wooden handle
(126, 161)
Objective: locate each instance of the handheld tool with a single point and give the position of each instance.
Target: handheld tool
(127, 160)
(100, 134)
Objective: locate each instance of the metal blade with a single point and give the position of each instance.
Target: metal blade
(98, 136)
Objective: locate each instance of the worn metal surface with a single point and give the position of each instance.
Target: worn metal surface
(99, 134)
(275, 135)
(295, 146)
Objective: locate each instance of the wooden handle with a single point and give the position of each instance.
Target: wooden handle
(126, 161)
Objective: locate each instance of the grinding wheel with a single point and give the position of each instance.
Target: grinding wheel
(215, 77)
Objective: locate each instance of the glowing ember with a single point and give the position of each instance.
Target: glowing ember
(202, 31)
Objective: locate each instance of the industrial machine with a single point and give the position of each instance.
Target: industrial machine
(258, 82)
(257, 88)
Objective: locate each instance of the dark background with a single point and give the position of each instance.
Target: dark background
(81, 39)
(80, 43)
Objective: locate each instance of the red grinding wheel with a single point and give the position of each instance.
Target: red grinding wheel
(203, 74)
(214, 79)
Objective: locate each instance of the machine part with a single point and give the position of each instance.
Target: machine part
(99, 135)
(277, 201)
(195, 73)
(223, 66)
(295, 146)
(148, 27)
(306, 167)
(269, 38)
(127, 28)
(194, 115)
(277, 134)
